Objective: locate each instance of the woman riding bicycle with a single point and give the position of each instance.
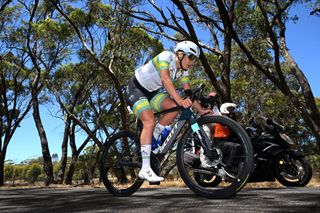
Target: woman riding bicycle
(143, 96)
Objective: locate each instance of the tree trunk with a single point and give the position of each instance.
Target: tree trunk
(64, 153)
(95, 164)
(86, 177)
(307, 106)
(92, 163)
(47, 162)
(3, 152)
(313, 122)
(2, 168)
(71, 170)
(75, 154)
(308, 109)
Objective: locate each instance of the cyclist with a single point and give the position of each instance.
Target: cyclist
(143, 96)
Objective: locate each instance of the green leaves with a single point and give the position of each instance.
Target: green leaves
(50, 28)
(79, 17)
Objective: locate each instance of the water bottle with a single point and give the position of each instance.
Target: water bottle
(165, 133)
(156, 143)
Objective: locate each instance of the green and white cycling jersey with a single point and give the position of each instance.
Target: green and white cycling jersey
(149, 74)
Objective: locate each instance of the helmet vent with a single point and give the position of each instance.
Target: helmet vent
(193, 50)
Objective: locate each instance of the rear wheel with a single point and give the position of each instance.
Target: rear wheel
(120, 164)
(197, 177)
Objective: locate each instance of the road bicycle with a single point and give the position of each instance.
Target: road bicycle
(192, 142)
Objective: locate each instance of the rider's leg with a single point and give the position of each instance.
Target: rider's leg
(159, 103)
(167, 118)
(148, 121)
(140, 106)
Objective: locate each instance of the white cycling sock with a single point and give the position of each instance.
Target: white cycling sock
(145, 155)
(157, 130)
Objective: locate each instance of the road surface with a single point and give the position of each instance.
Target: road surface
(306, 199)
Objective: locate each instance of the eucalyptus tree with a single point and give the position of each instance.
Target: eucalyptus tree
(46, 42)
(73, 85)
(89, 34)
(87, 89)
(15, 95)
(256, 95)
(315, 5)
(70, 84)
(251, 25)
(271, 18)
(34, 39)
(87, 164)
(104, 34)
(3, 4)
(15, 100)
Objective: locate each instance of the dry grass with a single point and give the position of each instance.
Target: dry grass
(315, 182)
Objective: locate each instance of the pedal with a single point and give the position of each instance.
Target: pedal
(154, 183)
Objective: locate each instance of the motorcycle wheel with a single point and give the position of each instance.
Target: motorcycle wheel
(298, 174)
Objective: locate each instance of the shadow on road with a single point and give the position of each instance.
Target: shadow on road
(158, 200)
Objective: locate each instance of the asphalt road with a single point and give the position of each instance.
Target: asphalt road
(306, 199)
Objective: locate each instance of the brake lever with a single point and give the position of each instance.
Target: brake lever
(192, 92)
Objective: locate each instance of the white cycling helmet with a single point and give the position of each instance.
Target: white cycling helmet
(225, 107)
(188, 47)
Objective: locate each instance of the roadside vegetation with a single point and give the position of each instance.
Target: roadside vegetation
(29, 173)
(76, 56)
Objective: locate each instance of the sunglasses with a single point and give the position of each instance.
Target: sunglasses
(191, 57)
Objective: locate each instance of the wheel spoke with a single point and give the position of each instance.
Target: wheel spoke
(224, 174)
(120, 164)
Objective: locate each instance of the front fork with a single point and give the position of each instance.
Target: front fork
(286, 158)
(204, 139)
(287, 165)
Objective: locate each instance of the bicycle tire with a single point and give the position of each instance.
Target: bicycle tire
(244, 173)
(118, 163)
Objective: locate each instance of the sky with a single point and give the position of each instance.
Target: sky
(303, 40)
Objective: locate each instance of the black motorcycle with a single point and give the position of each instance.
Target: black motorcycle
(275, 157)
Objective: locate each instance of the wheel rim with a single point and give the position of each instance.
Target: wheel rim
(292, 173)
(227, 186)
(121, 165)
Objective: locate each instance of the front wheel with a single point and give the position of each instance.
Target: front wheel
(120, 164)
(194, 172)
(296, 172)
(207, 180)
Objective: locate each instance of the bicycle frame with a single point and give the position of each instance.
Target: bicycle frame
(186, 118)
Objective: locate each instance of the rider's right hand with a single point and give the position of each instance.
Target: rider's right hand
(185, 103)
